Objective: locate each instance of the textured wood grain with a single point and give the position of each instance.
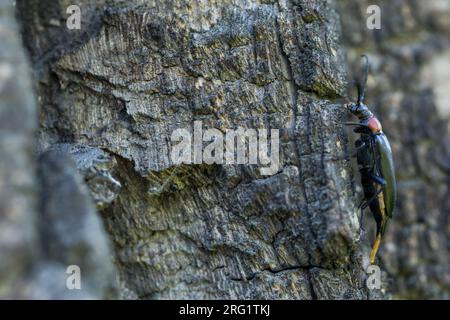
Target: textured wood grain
(137, 71)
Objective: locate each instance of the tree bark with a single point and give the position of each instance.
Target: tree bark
(137, 71)
(112, 93)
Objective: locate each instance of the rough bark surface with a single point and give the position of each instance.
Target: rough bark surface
(409, 89)
(111, 94)
(138, 70)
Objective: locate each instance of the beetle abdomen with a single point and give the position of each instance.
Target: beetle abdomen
(386, 165)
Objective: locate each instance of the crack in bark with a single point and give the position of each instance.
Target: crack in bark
(276, 271)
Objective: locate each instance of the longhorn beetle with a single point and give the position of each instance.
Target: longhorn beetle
(375, 164)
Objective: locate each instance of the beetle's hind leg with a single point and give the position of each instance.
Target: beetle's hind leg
(379, 214)
(362, 206)
(365, 203)
(362, 231)
(379, 234)
(380, 181)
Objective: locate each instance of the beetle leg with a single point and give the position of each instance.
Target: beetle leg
(360, 127)
(361, 220)
(354, 123)
(368, 202)
(379, 180)
(380, 229)
(362, 145)
(353, 153)
(357, 148)
(364, 205)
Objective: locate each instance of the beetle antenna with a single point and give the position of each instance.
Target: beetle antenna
(348, 96)
(362, 86)
(360, 94)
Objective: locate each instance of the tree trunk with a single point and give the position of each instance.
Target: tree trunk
(112, 93)
(135, 72)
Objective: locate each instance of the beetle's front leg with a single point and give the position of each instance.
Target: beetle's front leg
(358, 146)
(352, 154)
(359, 127)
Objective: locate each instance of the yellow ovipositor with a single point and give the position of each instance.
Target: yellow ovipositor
(376, 245)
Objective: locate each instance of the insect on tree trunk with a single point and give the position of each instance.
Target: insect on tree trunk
(112, 93)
